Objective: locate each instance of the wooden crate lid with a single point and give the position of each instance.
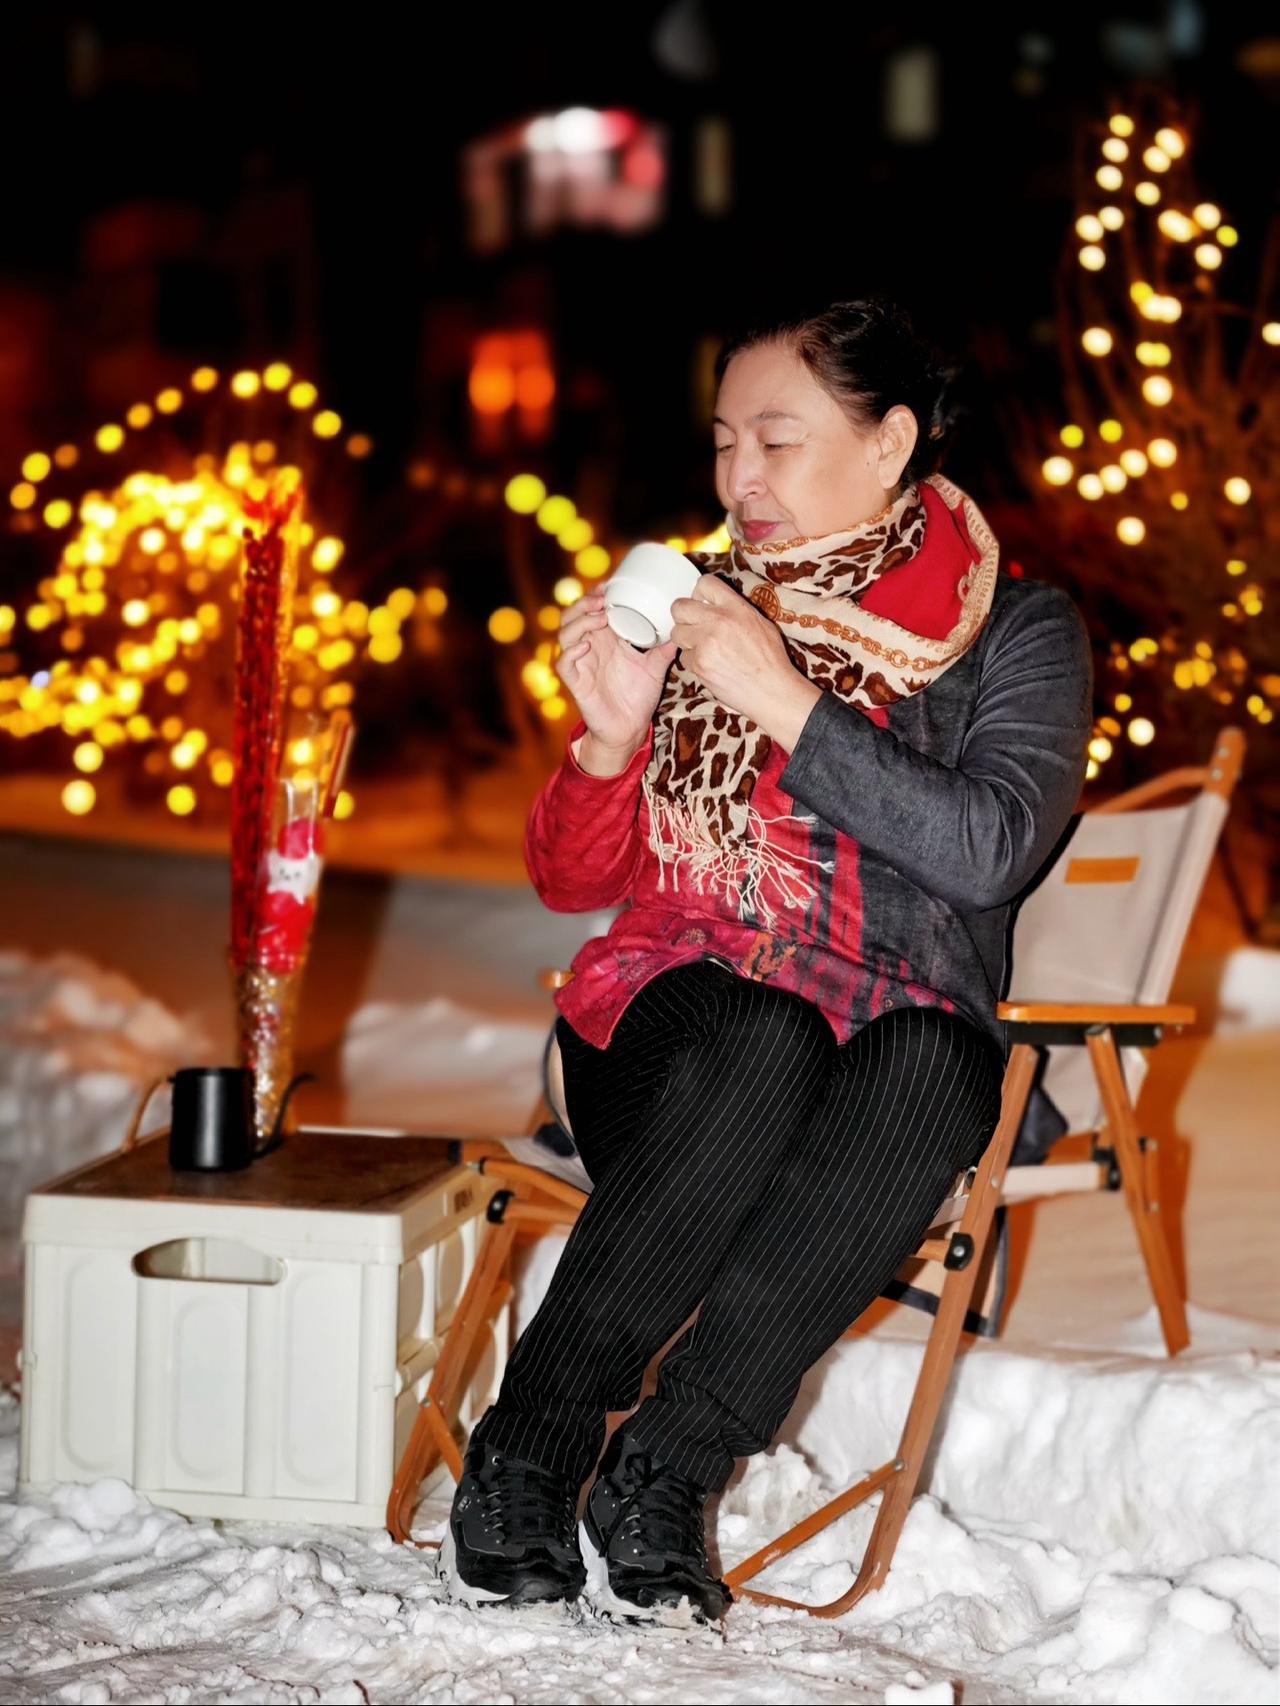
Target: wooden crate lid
(347, 1171)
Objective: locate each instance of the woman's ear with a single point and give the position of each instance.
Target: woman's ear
(896, 436)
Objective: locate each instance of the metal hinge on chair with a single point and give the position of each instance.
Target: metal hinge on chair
(959, 1251)
(1106, 1157)
(499, 1203)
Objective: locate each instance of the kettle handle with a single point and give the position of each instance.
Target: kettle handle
(277, 1135)
(130, 1138)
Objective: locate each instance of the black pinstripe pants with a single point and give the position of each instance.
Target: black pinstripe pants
(743, 1162)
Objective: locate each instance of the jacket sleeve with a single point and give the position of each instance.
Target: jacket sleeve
(582, 844)
(975, 833)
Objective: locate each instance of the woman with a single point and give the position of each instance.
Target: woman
(821, 799)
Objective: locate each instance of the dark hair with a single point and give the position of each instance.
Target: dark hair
(867, 356)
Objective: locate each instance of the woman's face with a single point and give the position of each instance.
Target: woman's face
(789, 462)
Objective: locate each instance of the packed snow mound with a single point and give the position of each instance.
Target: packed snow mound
(78, 1046)
(1096, 1528)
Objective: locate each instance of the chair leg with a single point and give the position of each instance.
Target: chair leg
(1138, 1175)
(432, 1436)
(900, 1476)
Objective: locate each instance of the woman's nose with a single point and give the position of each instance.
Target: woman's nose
(743, 479)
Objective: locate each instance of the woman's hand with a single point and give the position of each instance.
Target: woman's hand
(740, 656)
(616, 688)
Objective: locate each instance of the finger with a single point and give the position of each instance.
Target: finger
(589, 621)
(571, 672)
(588, 604)
(689, 609)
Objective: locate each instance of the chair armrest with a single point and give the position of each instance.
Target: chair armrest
(1054, 1023)
(1087, 1013)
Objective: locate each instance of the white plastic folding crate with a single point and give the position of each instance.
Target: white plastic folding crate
(248, 1344)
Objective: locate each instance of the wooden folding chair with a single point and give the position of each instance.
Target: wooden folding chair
(1095, 949)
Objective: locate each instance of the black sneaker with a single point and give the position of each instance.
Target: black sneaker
(644, 1544)
(511, 1534)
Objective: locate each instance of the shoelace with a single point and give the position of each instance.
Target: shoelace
(527, 1497)
(665, 1515)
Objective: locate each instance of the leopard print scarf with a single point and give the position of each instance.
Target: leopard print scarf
(706, 758)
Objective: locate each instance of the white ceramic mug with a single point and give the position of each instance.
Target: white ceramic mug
(639, 594)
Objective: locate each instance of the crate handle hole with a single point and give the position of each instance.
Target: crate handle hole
(220, 1261)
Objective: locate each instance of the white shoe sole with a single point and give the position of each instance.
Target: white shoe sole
(606, 1603)
(456, 1590)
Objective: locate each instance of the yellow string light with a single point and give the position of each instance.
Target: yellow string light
(593, 562)
(1176, 226)
(79, 797)
(556, 513)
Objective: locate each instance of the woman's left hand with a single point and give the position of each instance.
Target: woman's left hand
(740, 656)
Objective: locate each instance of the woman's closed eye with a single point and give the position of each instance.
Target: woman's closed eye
(724, 449)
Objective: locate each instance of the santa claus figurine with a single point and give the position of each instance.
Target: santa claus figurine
(289, 904)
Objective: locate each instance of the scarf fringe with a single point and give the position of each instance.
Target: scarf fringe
(683, 839)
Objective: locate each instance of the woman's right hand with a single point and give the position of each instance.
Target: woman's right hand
(616, 687)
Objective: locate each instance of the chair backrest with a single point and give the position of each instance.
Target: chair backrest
(1109, 921)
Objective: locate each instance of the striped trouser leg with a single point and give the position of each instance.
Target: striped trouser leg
(709, 1080)
(914, 1097)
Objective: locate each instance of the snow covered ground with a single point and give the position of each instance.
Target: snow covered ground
(1099, 1524)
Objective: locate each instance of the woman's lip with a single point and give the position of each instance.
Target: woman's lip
(758, 529)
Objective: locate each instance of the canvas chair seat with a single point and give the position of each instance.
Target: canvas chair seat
(1095, 948)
